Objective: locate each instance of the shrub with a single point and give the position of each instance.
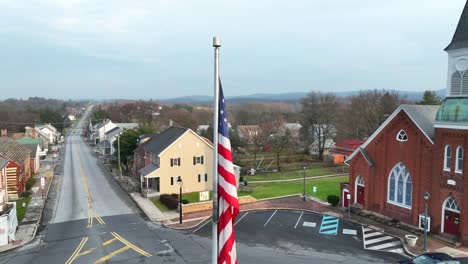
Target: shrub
(25, 194)
(175, 195)
(333, 200)
(30, 183)
(169, 200)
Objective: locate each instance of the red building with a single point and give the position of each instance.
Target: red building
(420, 149)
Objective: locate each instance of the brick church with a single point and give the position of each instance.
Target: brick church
(419, 149)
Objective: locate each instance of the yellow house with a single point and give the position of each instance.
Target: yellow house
(175, 152)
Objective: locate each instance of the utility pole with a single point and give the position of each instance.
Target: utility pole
(118, 154)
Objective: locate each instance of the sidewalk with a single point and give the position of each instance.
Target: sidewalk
(27, 228)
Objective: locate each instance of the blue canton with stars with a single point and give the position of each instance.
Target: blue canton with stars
(223, 124)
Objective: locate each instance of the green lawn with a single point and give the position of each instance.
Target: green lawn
(290, 174)
(20, 210)
(160, 205)
(325, 187)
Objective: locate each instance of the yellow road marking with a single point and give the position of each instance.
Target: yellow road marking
(100, 220)
(85, 252)
(137, 249)
(108, 242)
(112, 254)
(77, 250)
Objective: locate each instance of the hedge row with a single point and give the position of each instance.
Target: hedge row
(170, 200)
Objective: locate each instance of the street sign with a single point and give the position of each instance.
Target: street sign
(35, 189)
(314, 189)
(348, 196)
(42, 182)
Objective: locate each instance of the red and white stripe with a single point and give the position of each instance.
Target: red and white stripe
(228, 203)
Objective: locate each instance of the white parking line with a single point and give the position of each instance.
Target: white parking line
(298, 219)
(349, 232)
(266, 223)
(238, 220)
(200, 227)
(309, 224)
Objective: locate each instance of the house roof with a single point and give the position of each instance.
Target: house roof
(460, 37)
(32, 148)
(249, 130)
(114, 132)
(347, 146)
(42, 133)
(293, 126)
(127, 125)
(24, 141)
(422, 115)
(11, 150)
(148, 169)
(161, 141)
(3, 162)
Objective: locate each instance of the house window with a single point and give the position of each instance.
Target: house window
(400, 186)
(459, 161)
(447, 157)
(199, 178)
(206, 177)
(172, 180)
(197, 160)
(175, 162)
(402, 136)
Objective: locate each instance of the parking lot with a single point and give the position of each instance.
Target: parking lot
(300, 231)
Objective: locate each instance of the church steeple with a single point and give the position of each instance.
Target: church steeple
(457, 79)
(460, 38)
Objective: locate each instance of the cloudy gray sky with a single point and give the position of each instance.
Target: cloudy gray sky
(161, 49)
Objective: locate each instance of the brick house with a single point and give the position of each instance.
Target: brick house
(419, 149)
(18, 169)
(3, 183)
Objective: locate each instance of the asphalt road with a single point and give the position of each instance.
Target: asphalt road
(89, 219)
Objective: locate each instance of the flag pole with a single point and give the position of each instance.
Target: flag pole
(214, 253)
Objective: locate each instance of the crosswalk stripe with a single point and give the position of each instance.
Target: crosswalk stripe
(377, 240)
(397, 250)
(380, 239)
(386, 245)
(368, 235)
(329, 225)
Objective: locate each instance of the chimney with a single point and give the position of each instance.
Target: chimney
(4, 133)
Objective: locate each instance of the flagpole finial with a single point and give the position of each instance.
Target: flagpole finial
(216, 42)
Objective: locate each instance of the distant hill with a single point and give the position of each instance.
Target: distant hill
(283, 97)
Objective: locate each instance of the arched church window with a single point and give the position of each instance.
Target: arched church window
(459, 161)
(447, 157)
(402, 136)
(400, 186)
(455, 84)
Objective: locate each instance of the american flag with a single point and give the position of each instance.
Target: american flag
(228, 205)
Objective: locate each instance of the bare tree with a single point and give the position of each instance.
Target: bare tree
(280, 142)
(320, 114)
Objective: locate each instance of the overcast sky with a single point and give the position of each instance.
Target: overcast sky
(162, 49)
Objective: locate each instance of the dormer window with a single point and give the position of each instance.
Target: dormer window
(402, 136)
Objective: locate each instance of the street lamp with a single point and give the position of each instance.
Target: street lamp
(180, 183)
(304, 168)
(426, 198)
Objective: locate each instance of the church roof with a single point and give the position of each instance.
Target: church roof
(460, 38)
(423, 116)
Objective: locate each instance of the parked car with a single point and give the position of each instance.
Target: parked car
(431, 258)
